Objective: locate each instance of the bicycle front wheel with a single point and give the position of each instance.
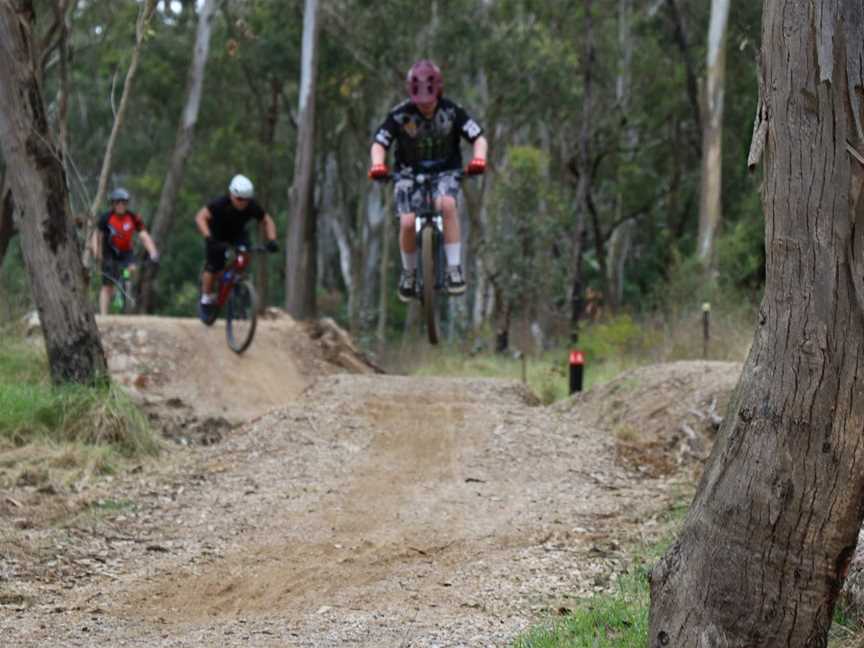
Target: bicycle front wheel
(241, 317)
(430, 313)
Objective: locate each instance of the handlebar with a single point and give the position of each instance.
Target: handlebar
(225, 245)
(422, 176)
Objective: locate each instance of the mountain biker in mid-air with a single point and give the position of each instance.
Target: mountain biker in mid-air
(426, 129)
(222, 223)
(113, 243)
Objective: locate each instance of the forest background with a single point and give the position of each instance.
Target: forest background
(594, 112)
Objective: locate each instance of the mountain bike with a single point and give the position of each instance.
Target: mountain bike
(123, 301)
(432, 263)
(237, 295)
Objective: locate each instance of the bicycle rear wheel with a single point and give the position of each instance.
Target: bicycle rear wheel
(430, 313)
(241, 316)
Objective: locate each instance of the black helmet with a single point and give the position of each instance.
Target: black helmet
(119, 194)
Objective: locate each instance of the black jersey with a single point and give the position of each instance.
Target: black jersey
(227, 223)
(431, 140)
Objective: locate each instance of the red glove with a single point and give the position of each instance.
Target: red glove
(379, 172)
(476, 166)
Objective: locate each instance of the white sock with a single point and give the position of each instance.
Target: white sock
(208, 298)
(409, 260)
(454, 253)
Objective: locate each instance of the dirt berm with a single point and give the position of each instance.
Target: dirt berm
(183, 365)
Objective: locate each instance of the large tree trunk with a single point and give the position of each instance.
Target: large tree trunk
(164, 219)
(710, 203)
(767, 541)
(36, 175)
(301, 238)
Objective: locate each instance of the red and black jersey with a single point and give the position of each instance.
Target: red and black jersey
(118, 230)
(428, 140)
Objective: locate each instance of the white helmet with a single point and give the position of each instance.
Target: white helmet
(241, 186)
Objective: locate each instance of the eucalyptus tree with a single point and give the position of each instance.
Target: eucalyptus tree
(37, 178)
(710, 202)
(163, 221)
(301, 265)
(766, 544)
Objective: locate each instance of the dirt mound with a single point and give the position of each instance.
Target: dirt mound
(661, 416)
(188, 367)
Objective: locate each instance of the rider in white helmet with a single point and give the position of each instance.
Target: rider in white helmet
(222, 223)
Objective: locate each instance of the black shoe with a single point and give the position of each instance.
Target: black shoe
(455, 281)
(407, 285)
(207, 313)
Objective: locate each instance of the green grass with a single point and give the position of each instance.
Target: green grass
(609, 347)
(76, 426)
(615, 620)
(619, 618)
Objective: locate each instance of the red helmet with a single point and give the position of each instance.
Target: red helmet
(424, 83)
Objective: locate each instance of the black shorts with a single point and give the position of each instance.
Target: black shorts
(216, 252)
(113, 263)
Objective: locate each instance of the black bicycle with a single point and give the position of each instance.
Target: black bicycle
(432, 264)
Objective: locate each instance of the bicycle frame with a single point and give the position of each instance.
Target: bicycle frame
(428, 216)
(233, 272)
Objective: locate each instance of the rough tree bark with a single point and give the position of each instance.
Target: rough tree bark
(163, 221)
(7, 222)
(37, 179)
(300, 243)
(766, 544)
(710, 199)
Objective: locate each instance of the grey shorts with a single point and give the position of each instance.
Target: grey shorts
(409, 199)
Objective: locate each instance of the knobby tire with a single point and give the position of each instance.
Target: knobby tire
(429, 311)
(241, 316)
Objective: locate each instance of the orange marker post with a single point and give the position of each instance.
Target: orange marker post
(577, 364)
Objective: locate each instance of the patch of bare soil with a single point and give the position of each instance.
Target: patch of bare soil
(662, 417)
(371, 511)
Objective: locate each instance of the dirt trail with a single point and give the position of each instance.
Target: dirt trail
(374, 511)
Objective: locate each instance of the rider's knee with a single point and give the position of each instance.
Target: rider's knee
(406, 221)
(447, 204)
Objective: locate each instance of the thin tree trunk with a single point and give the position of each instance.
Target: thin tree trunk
(384, 272)
(583, 166)
(63, 11)
(679, 32)
(47, 233)
(143, 21)
(301, 241)
(767, 542)
(710, 205)
(619, 243)
(268, 139)
(165, 212)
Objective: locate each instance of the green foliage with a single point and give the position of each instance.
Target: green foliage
(33, 410)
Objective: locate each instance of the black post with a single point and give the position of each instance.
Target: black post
(577, 362)
(706, 328)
